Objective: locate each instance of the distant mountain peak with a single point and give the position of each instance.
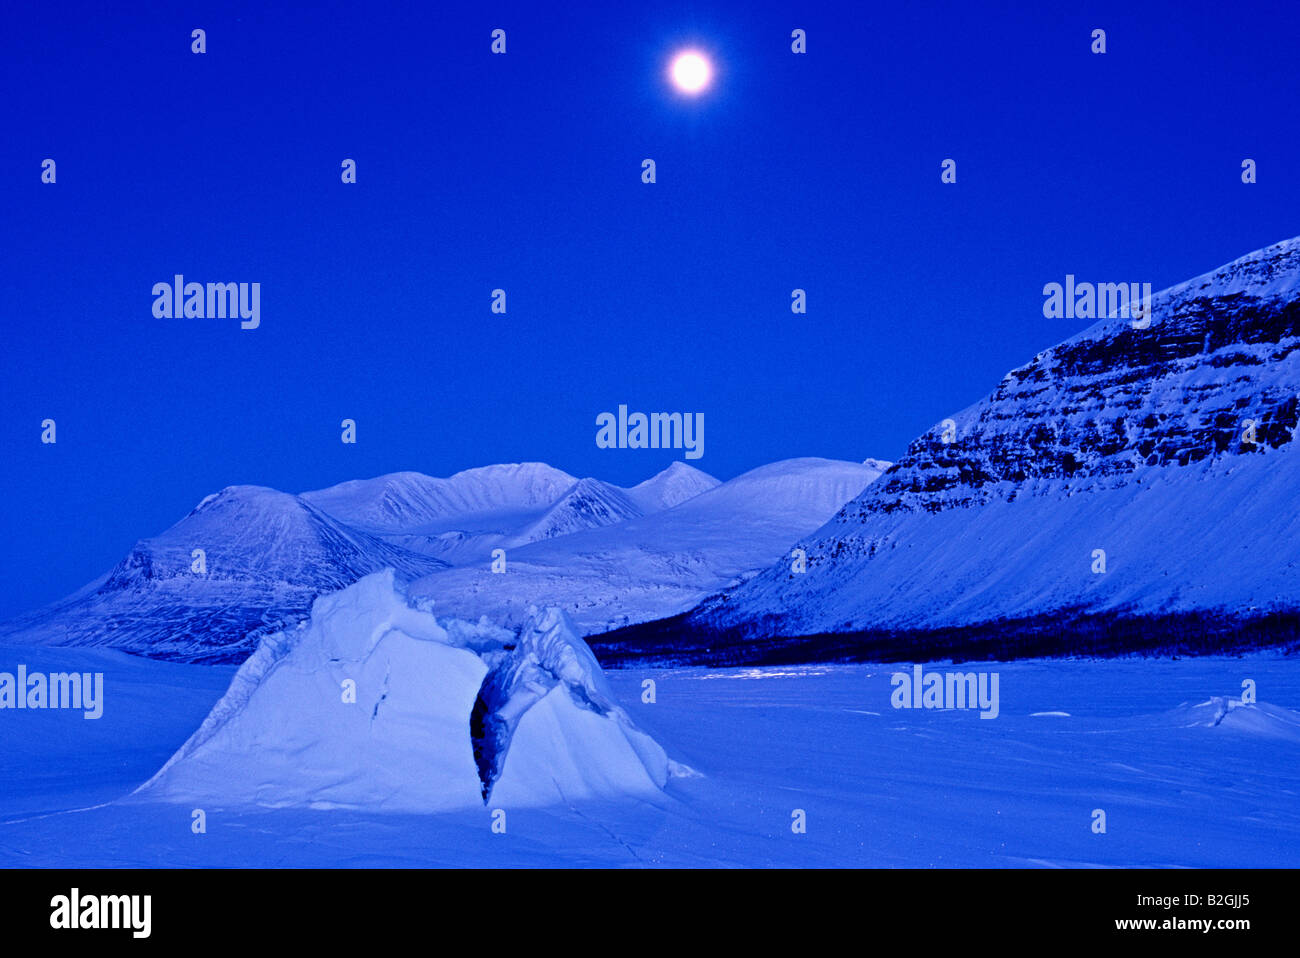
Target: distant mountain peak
(588, 504)
(672, 487)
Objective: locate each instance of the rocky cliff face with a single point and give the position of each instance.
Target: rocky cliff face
(1097, 408)
(1168, 448)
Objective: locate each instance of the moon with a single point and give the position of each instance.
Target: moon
(691, 72)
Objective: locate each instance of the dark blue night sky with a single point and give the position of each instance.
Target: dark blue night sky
(523, 171)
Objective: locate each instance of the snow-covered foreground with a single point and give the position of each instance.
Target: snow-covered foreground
(1181, 783)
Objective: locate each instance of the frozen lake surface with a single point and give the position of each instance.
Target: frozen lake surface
(1185, 775)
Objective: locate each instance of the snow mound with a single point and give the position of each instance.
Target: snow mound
(375, 704)
(1255, 718)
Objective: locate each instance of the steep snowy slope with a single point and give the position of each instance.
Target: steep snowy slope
(265, 555)
(375, 705)
(1128, 472)
(658, 564)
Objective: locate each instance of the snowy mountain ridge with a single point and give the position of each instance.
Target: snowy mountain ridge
(1126, 472)
(248, 561)
(660, 564)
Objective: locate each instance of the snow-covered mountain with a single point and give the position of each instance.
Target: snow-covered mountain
(490, 498)
(247, 560)
(1140, 475)
(660, 564)
(587, 504)
(466, 516)
(671, 487)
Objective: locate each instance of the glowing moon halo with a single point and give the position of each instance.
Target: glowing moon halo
(691, 72)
